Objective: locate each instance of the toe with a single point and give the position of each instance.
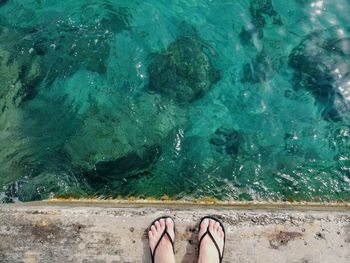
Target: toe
(170, 227)
(216, 226)
(157, 225)
(169, 223)
(203, 227)
(150, 234)
(211, 225)
(162, 223)
(222, 234)
(153, 229)
(220, 230)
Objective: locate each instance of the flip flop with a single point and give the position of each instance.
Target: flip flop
(165, 232)
(207, 232)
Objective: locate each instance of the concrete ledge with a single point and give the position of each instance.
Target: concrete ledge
(115, 231)
(205, 203)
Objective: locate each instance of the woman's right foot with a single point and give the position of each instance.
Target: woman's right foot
(208, 253)
(163, 253)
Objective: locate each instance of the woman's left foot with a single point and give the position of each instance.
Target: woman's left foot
(163, 252)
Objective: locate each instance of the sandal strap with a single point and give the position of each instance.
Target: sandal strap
(207, 232)
(165, 232)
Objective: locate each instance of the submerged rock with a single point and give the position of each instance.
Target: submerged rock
(184, 72)
(133, 164)
(10, 86)
(128, 138)
(226, 141)
(29, 68)
(322, 65)
(262, 12)
(271, 55)
(2, 2)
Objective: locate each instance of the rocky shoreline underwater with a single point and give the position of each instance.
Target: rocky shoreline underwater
(101, 98)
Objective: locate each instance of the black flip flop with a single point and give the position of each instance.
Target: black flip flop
(207, 232)
(165, 232)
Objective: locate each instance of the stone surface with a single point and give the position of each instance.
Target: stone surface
(111, 232)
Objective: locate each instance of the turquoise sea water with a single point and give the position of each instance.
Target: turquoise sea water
(237, 100)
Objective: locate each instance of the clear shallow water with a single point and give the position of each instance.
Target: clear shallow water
(237, 100)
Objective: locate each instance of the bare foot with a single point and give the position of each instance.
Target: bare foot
(208, 252)
(164, 252)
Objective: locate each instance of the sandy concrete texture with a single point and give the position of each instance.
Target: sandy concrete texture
(99, 232)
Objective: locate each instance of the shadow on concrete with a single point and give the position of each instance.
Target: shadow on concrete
(146, 255)
(191, 254)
